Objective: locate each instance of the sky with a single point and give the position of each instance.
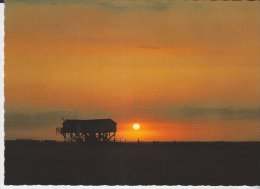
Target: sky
(184, 70)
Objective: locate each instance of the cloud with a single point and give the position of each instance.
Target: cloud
(114, 5)
(43, 124)
(20, 121)
(131, 5)
(17, 120)
(193, 113)
(225, 113)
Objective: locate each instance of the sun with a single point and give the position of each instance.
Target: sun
(136, 126)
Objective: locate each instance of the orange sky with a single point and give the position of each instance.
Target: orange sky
(120, 56)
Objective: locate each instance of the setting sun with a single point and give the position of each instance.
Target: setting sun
(136, 126)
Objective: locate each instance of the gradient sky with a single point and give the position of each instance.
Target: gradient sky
(134, 61)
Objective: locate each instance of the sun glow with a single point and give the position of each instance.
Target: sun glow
(136, 126)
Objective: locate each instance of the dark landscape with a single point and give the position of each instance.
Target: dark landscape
(176, 163)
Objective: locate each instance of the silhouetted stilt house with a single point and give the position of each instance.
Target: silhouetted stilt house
(96, 130)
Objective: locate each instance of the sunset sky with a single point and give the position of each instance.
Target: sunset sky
(183, 70)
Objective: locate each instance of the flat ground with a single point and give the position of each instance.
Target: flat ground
(52, 163)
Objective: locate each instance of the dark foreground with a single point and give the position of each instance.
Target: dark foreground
(53, 163)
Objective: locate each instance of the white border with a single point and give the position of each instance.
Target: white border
(2, 6)
(133, 187)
